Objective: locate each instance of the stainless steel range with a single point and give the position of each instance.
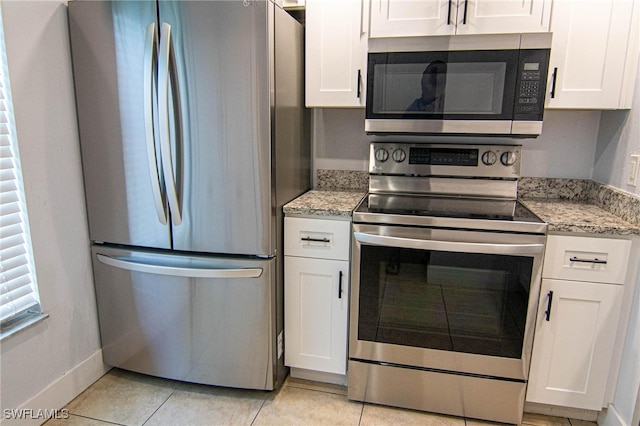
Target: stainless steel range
(446, 277)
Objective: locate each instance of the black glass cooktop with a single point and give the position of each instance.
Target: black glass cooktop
(402, 209)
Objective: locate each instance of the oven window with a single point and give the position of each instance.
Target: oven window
(462, 302)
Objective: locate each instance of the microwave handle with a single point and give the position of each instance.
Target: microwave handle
(455, 246)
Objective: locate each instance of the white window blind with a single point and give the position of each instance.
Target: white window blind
(18, 291)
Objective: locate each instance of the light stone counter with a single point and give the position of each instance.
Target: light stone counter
(567, 205)
(578, 216)
(325, 202)
(577, 205)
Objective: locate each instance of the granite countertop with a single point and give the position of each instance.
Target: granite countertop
(325, 202)
(567, 205)
(581, 206)
(578, 216)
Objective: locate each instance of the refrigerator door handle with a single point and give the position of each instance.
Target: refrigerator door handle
(150, 59)
(164, 79)
(177, 271)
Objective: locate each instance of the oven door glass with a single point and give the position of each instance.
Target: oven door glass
(458, 85)
(462, 302)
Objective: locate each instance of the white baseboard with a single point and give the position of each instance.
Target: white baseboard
(54, 397)
(611, 417)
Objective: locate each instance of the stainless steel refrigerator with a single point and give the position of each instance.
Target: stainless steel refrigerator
(192, 132)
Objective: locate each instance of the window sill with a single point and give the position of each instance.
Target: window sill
(26, 322)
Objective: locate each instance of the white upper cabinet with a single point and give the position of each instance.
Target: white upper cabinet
(594, 54)
(336, 53)
(405, 18)
(400, 18)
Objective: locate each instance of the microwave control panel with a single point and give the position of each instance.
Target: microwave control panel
(530, 88)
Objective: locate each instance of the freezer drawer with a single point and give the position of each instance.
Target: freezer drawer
(193, 318)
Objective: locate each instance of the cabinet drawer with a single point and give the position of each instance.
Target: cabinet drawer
(318, 238)
(586, 259)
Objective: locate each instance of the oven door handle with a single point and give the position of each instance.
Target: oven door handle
(455, 246)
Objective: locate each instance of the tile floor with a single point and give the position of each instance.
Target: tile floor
(125, 398)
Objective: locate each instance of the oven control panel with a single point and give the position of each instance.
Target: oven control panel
(416, 159)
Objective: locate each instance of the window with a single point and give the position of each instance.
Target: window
(19, 302)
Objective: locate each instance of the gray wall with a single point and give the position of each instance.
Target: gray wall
(619, 137)
(565, 149)
(42, 90)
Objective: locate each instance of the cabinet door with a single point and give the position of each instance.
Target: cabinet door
(336, 53)
(401, 18)
(503, 16)
(316, 314)
(588, 53)
(572, 349)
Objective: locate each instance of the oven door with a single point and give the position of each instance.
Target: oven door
(445, 300)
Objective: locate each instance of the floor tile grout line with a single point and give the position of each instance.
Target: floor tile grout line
(96, 419)
(361, 413)
(160, 406)
(316, 390)
(264, 401)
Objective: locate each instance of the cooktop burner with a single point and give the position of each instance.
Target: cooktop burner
(472, 213)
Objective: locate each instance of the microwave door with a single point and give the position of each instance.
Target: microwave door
(455, 92)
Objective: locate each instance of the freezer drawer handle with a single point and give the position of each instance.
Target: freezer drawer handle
(136, 266)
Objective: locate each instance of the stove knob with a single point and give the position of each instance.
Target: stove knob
(382, 155)
(489, 158)
(508, 158)
(398, 156)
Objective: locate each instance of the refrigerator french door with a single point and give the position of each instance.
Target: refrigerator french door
(174, 111)
(181, 126)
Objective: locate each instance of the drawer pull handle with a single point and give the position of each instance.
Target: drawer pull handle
(316, 240)
(340, 285)
(596, 260)
(547, 313)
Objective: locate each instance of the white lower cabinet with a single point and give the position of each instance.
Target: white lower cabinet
(316, 294)
(316, 308)
(574, 343)
(583, 280)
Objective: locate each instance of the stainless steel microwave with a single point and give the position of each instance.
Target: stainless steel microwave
(458, 85)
